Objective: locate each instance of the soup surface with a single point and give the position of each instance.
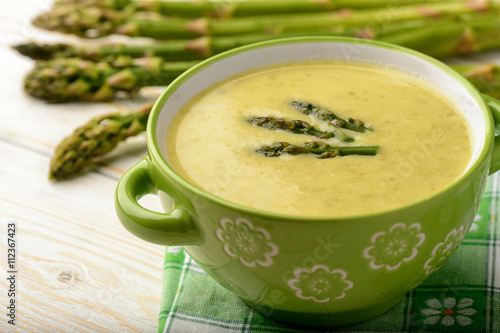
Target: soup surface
(423, 140)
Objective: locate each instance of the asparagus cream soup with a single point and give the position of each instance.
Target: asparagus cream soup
(320, 138)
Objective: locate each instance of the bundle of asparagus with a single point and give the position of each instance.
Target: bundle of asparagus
(97, 22)
(439, 38)
(460, 28)
(192, 31)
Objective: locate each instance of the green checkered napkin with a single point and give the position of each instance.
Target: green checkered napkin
(463, 296)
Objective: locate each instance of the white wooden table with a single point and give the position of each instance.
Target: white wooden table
(78, 269)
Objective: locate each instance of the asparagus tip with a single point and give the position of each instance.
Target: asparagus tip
(76, 153)
(25, 49)
(124, 79)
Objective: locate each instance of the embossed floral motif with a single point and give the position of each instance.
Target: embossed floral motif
(390, 249)
(449, 313)
(250, 245)
(444, 250)
(320, 284)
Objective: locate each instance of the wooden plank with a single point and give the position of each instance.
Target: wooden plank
(79, 269)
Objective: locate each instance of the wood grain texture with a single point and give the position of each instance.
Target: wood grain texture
(79, 269)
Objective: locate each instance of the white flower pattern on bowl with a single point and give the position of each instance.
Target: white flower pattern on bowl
(250, 245)
(390, 249)
(449, 312)
(320, 284)
(444, 250)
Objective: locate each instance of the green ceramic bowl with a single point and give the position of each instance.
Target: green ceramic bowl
(310, 271)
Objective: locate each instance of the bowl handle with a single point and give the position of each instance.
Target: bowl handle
(174, 228)
(494, 106)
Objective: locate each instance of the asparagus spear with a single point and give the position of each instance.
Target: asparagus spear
(104, 21)
(83, 22)
(232, 8)
(297, 127)
(485, 77)
(97, 137)
(408, 33)
(63, 80)
(168, 50)
(322, 149)
(328, 116)
(445, 40)
(171, 50)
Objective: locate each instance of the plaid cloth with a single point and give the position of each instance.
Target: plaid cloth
(463, 296)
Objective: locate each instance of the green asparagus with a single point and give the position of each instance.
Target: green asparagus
(84, 22)
(485, 77)
(97, 137)
(96, 22)
(297, 127)
(168, 50)
(63, 80)
(326, 115)
(171, 50)
(446, 40)
(322, 149)
(232, 8)
(440, 38)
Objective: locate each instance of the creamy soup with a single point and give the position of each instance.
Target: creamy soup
(424, 142)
